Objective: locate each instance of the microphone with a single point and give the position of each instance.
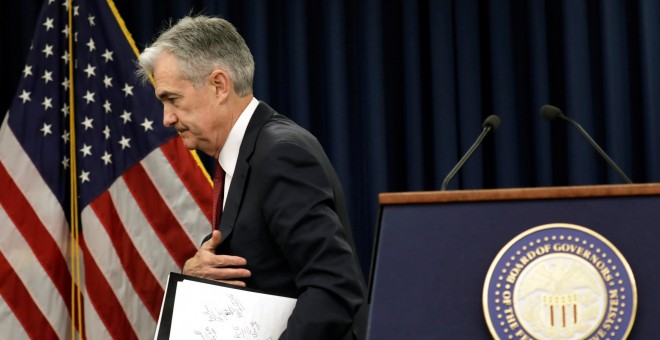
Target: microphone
(491, 122)
(550, 112)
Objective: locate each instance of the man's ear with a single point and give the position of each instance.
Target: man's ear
(220, 81)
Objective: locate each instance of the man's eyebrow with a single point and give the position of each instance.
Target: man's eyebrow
(163, 95)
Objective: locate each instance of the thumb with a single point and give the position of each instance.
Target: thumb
(213, 242)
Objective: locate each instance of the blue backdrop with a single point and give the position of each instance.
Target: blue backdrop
(396, 90)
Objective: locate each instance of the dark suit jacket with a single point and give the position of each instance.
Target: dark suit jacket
(285, 213)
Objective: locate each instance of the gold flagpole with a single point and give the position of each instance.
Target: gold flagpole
(76, 309)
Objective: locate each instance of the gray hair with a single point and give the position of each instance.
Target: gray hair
(200, 45)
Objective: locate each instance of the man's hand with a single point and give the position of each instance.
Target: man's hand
(222, 268)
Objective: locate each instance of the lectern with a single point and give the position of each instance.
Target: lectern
(433, 251)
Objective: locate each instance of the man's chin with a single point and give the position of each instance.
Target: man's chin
(190, 145)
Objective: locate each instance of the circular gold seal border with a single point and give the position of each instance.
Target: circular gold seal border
(528, 232)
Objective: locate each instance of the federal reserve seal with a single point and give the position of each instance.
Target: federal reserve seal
(559, 281)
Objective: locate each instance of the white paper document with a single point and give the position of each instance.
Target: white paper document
(213, 312)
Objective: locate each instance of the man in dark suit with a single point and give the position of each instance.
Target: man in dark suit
(282, 225)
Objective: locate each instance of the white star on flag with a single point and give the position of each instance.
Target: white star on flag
(107, 107)
(90, 70)
(147, 124)
(107, 55)
(46, 129)
(48, 76)
(25, 96)
(125, 142)
(84, 176)
(107, 158)
(126, 116)
(128, 90)
(88, 123)
(86, 150)
(47, 103)
(48, 50)
(107, 81)
(89, 97)
(27, 71)
(91, 45)
(49, 24)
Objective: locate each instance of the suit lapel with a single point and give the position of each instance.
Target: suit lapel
(235, 195)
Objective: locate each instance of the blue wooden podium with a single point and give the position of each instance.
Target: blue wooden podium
(433, 250)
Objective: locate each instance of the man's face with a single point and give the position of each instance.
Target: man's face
(198, 114)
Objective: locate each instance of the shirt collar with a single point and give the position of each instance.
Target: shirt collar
(229, 153)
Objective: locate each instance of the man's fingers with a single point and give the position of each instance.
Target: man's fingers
(225, 274)
(213, 242)
(234, 282)
(220, 261)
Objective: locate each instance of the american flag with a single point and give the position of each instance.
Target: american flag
(142, 201)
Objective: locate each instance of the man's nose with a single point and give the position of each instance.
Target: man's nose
(169, 118)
